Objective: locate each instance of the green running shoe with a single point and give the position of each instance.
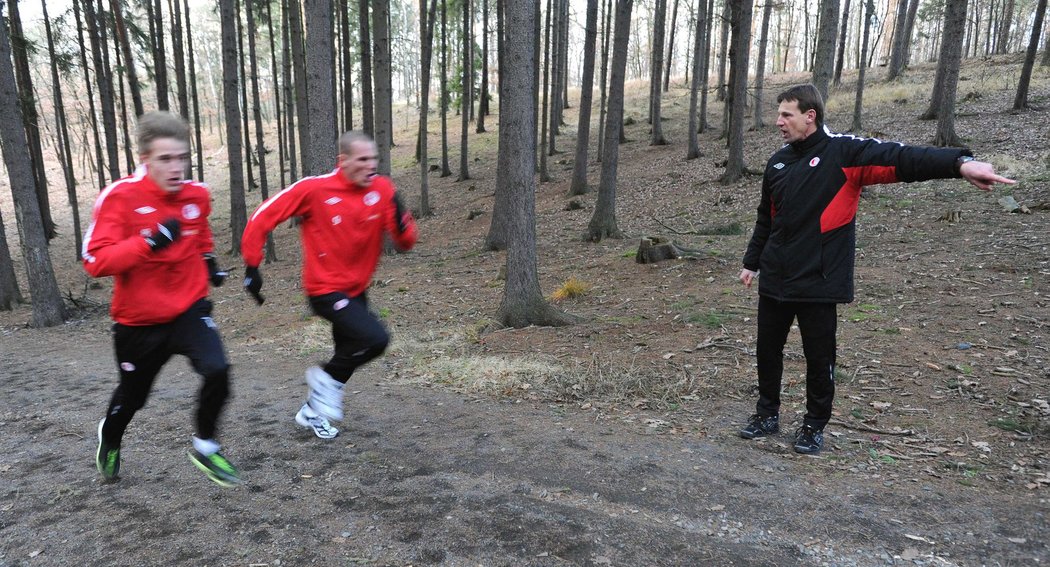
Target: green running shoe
(107, 458)
(218, 469)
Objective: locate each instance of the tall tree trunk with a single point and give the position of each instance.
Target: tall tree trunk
(723, 50)
(194, 94)
(230, 93)
(657, 133)
(496, 238)
(950, 57)
(760, 70)
(1021, 100)
(290, 101)
(693, 147)
(124, 121)
(243, 85)
(278, 111)
(302, 83)
(841, 57)
(909, 27)
(426, 34)
(180, 58)
(63, 149)
(546, 89)
(445, 170)
(554, 55)
(464, 98)
(1003, 44)
(30, 121)
(367, 107)
(160, 63)
(9, 292)
(606, 32)
(483, 100)
(105, 89)
(738, 55)
(523, 302)
(260, 148)
(706, 79)
(129, 61)
(1046, 50)
(900, 40)
(346, 66)
(48, 309)
(603, 221)
(384, 93)
(824, 57)
(583, 130)
(670, 48)
(858, 103)
(92, 119)
(321, 92)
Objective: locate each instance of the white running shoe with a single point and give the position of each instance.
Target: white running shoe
(308, 418)
(326, 393)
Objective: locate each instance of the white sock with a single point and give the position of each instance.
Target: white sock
(205, 446)
(309, 411)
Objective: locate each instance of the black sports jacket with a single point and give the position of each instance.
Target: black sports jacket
(805, 235)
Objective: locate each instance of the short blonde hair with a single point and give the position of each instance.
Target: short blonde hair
(348, 139)
(160, 124)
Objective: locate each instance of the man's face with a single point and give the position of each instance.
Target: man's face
(359, 166)
(166, 162)
(794, 124)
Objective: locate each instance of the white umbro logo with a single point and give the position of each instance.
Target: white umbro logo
(332, 200)
(145, 210)
(778, 166)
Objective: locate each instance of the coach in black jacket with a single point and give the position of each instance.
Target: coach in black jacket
(804, 240)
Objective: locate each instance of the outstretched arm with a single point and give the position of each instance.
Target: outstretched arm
(982, 175)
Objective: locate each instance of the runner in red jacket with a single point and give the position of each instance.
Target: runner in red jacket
(150, 232)
(345, 215)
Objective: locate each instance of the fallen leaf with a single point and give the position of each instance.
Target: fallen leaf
(1017, 540)
(910, 554)
(717, 508)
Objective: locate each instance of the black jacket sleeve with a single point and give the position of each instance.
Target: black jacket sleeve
(763, 224)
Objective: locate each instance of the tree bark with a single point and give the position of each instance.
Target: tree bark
(179, 54)
(384, 92)
(193, 92)
(950, 57)
(260, 147)
(48, 309)
(723, 50)
(302, 83)
(1021, 100)
(603, 221)
(320, 90)
(426, 34)
(63, 149)
(840, 58)
(160, 63)
(231, 106)
(900, 40)
(523, 302)
(824, 56)
(92, 120)
(346, 66)
(583, 130)
(483, 100)
(739, 55)
(760, 71)
(693, 147)
(367, 114)
(464, 98)
(546, 88)
(869, 13)
(657, 133)
(604, 75)
(278, 112)
(243, 86)
(670, 48)
(9, 292)
(290, 101)
(129, 61)
(706, 69)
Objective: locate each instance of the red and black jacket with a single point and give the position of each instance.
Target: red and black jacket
(805, 235)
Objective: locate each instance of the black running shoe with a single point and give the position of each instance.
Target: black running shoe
(760, 426)
(809, 440)
(218, 469)
(107, 458)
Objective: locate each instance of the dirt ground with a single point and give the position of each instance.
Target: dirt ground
(608, 442)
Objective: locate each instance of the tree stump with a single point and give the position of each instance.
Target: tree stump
(653, 249)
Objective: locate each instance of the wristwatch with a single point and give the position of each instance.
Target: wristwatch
(959, 163)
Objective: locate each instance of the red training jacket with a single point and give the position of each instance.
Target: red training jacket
(150, 287)
(342, 230)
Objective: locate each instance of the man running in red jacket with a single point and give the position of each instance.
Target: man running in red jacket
(150, 232)
(345, 214)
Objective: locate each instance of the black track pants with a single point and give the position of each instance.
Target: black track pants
(359, 336)
(817, 325)
(141, 353)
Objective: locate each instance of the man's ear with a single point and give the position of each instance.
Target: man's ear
(811, 116)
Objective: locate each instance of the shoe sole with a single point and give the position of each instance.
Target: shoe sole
(758, 435)
(306, 423)
(211, 475)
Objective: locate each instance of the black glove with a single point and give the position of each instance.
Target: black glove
(166, 233)
(253, 283)
(400, 212)
(218, 277)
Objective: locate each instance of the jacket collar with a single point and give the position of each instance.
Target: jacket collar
(803, 146)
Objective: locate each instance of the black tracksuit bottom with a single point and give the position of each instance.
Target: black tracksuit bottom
(141, 353)
(358, 334)
(817, 325)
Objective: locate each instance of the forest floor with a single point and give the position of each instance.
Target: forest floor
(609, 442)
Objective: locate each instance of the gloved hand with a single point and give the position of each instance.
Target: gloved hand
(166, 233)
(402, 214)
(253, 283)
(218, 277)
